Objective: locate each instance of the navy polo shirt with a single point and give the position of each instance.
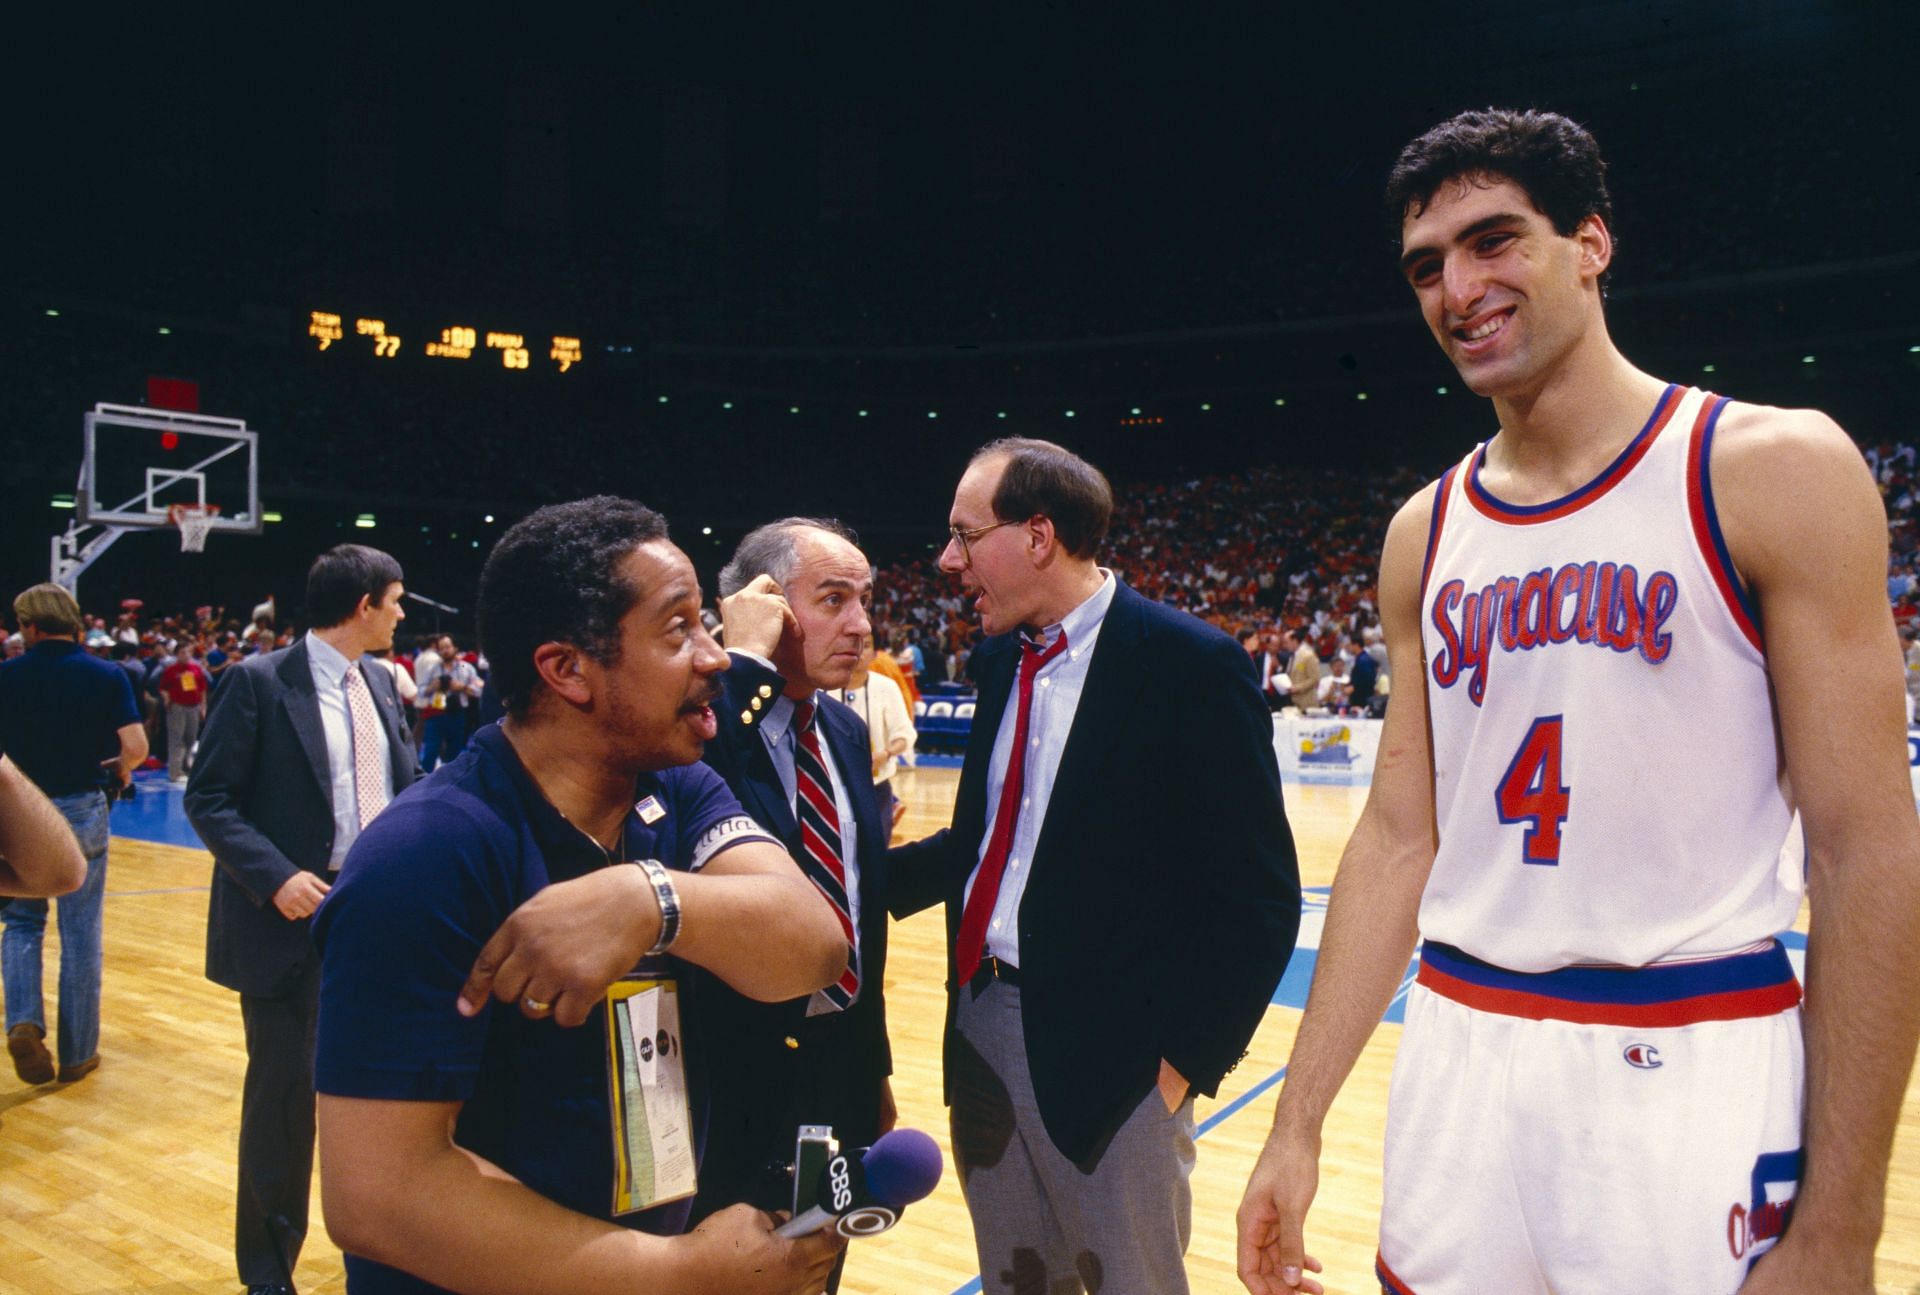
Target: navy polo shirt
(423, 888)
(60, 710)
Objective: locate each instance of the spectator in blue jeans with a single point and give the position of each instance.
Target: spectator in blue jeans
(69, 721)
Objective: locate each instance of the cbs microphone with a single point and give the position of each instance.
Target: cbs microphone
(862, 1193)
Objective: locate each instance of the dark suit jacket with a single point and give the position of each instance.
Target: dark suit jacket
(764, 1085)
(1164, 896)
(261, 798)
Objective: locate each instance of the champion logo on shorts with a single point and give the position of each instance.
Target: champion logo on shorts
(1643, 1056)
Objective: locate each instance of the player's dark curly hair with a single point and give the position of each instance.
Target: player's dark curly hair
(554, 578)
(1554, 159)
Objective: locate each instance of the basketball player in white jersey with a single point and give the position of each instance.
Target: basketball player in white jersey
(1622, 615)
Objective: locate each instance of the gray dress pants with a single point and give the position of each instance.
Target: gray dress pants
(1042, 1225)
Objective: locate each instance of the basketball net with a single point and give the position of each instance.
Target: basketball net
(195, 522)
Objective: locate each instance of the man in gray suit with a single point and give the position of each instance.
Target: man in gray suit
(303, 747)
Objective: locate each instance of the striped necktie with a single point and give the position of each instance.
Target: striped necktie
(821, 856)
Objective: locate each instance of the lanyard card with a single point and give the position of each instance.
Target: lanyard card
(653, 1159)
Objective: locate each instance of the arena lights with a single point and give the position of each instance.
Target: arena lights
(364, 521)
(726, 404)
(272, 517)
(793, 409)
(1151, 421)
(54, 314)
(1806, 359)
(1911, 350)
(1069, 413)
(1708, 368)
(933, 413)
(706, 530)
(663, 400)
(165, 332)
(863, 413)
(62, 501)
(1135, 411)
(1439, 391)
(1003, 413)
(1206, 408)
(1279, 403)
(1360, 395)
(488, 519)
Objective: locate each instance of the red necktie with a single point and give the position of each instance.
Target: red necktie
(986, 886)
(821, 858)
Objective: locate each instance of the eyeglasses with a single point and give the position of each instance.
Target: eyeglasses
(965, 538)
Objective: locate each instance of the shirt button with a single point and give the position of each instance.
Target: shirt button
(1035, 742)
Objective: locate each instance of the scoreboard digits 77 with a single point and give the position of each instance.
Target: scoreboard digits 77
(455, 342)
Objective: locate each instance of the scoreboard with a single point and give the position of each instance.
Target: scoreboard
(327, 329)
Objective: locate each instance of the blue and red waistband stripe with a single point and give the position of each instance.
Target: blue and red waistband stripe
(1680, 993)
(1389, 1283)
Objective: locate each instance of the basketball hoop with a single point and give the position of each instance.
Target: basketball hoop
(195, 522)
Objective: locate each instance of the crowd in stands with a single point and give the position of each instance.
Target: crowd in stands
(1254, 553)
(1262, 551)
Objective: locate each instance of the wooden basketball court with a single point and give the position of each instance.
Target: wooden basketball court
(123, 1182)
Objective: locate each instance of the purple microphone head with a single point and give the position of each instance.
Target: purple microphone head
(902, 1167)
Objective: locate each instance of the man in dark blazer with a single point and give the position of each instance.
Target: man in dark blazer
(302, 748)
(1120, 886)
(794, 602)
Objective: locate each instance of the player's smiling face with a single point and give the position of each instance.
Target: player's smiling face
(1505, 294)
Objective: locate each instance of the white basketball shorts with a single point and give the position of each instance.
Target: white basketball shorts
(1591, 1129)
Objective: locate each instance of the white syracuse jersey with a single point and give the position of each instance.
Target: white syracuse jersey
(1607, 773)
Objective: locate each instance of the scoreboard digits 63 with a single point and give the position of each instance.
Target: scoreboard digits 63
(456, 342)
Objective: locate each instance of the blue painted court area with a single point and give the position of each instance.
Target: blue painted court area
(154, 814)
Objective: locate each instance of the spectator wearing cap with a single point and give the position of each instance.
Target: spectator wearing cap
(69, 721)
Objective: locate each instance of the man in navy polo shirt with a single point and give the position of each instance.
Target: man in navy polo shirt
(68, 719)
(476, 1145)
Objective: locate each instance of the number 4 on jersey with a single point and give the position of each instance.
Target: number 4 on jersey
(1532, 793)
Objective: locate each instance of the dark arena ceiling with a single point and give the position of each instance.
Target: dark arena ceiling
(843, 247)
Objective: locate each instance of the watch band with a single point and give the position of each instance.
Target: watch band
(669, 899)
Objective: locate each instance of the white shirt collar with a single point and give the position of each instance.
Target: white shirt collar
(331, 661)
(1083, 622)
